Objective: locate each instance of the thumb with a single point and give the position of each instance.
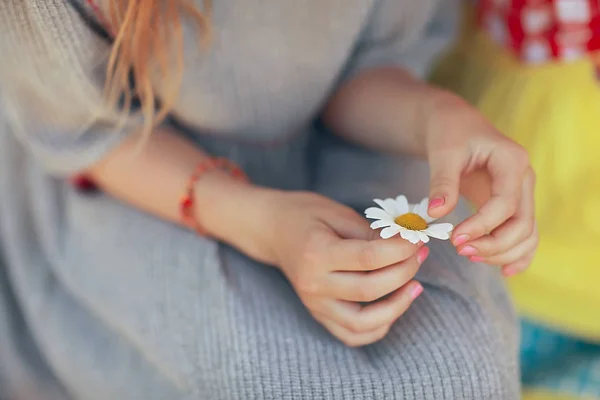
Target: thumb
(444, 187)
(348, 224)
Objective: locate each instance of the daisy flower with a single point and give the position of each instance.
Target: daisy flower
(411, 221)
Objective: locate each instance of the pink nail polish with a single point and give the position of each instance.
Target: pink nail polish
(476, 259)
(422, 254)
(468, 251)
(461, 239)
(436, 202)
(417, 290)
(508, 272)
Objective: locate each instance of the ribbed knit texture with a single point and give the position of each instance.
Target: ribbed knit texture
(100, 301)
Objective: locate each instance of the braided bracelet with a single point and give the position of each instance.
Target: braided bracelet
(188, 200)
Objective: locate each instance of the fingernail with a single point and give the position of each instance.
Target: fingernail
(422, 254)
(416, 291)
(436, 202)
(508, 272)
(461, 239)
(468, 251)
(476, 259)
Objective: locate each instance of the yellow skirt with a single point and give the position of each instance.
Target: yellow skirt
(554, 111)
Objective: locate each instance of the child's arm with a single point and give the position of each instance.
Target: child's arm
(380, 103)
(386, 109)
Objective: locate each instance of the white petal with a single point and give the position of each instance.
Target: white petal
(402, 205)
(439, 231)
(421, 210)
(411, 236)
(389, 205)
(390, 231)
(376, 213)
(423, 236)
(381, 223)
(416, 208)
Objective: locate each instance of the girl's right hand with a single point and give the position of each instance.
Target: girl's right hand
(355, 285)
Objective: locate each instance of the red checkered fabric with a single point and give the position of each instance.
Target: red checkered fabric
(543, 30)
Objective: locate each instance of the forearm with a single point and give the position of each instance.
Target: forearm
(385, 109)
(153, 178)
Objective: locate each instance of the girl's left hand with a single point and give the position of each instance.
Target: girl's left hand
(466, 154)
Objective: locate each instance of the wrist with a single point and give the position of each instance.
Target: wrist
(434, 117)
(235, 212)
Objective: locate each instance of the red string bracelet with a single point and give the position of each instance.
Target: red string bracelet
(84, 184)
(188, 200)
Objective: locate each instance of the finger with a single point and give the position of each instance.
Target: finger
(445, 175)
(518, 252)
(351, 225)
(349, 338)
(512, 232)
(507, 169)
(369, 286)
(518, 266)
(361, 255)
(360, 319)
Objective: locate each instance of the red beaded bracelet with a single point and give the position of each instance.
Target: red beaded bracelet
(188, 200)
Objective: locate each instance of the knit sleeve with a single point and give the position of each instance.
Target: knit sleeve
(410, 34)
(51, 85)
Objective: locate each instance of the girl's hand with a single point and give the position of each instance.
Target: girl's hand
(329, 254)
(466, 153)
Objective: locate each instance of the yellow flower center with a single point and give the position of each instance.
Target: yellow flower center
(411, 221)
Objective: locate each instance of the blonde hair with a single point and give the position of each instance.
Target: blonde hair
(148, 45)
(49, 77)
